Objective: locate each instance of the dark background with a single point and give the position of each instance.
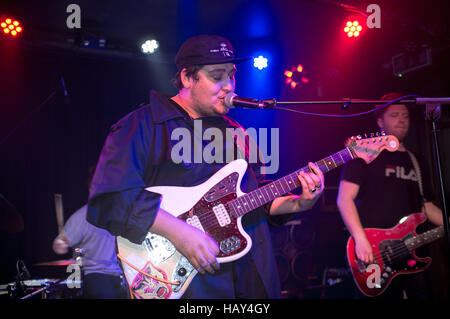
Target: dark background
(49, 140)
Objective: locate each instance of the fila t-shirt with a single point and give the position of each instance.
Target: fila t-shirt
(389, 188)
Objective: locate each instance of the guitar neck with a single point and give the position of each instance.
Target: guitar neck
(424, 238)
(261, 196)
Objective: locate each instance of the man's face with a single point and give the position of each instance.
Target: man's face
(395, 121)
(214, 82)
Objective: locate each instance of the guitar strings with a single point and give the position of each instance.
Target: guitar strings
(399, 249)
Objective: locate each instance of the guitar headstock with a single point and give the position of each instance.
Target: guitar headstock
(369, 148)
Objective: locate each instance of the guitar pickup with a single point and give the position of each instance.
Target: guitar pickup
(195, 221)
(221, 215)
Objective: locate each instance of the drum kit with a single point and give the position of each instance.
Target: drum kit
(25, 286)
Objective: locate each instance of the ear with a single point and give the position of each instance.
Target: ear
(380, 123)
(187, 81)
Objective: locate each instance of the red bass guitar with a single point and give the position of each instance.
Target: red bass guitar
(394, 253)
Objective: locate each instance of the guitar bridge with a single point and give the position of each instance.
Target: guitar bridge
(158, 248)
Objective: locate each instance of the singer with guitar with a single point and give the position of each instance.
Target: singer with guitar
(379, 195)
(137, 154)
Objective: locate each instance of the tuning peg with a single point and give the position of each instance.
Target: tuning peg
(358, 137)
(383, 133)
(377, 134)
(372, 135)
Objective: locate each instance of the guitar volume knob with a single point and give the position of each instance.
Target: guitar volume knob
(181, 272)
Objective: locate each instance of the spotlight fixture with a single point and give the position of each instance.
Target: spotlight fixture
(353, 29)
(149, 46)
(296, 76)
(11, 27)
(260, 62)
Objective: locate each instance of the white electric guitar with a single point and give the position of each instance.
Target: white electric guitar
(155, 269)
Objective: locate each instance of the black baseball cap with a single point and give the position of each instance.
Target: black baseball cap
(206, 49)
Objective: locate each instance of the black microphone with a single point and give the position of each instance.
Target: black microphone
(22, 271)
(232, 100)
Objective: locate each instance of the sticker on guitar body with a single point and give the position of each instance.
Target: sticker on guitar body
(144, 287)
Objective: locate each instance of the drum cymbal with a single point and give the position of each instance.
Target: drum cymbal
(10, 219)
(66, 262)
(63, 262)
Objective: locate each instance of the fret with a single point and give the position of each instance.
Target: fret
(261, 196)
(258, 197)
(267, 193)
(330, 163)
(235, 210)
(244, 203)
(286, 184)
(255, 199)
(282, 188)
(229, 207)
(276, 192)
(252, 201)
(240, 207)
(271, 189)
(325, 162)
(334, 163)
(322, 165)
(338, 159)
(294, 181)
(348, 154)
(342, 158)
(351, 153)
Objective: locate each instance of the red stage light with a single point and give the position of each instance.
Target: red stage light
(353, 28)
(11, 27)
(295, 77)
(288, 74)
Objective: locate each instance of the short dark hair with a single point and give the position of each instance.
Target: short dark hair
(389, 96)
(191, 72)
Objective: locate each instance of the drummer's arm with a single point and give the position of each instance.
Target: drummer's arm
(61, 244)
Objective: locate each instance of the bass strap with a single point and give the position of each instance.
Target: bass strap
(418, 173)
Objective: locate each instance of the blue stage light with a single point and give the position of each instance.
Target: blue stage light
(260, 62)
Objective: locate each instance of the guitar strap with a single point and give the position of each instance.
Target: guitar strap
(418, 174)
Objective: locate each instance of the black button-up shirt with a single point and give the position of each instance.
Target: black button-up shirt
(137, 154)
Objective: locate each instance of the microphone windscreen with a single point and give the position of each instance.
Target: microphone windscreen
(229, 99)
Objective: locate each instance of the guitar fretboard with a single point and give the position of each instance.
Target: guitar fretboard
(424, 238)
(257, 198)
